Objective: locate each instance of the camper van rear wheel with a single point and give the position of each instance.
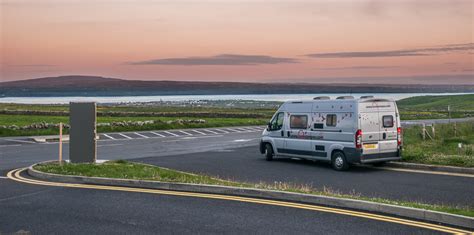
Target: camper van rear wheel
(268, 152)
(339, 161)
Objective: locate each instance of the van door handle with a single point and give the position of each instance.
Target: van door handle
(384, 135)
(288, 133)
(282, 133)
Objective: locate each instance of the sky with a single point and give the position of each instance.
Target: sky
(325, 41)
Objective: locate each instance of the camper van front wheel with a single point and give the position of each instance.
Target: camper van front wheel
(339, 161)
(268, 152)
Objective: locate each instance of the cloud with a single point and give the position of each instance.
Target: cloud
(223, 59)
(361, 67)
(467, 47)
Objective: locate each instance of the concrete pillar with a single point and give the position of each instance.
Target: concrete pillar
(82, 135)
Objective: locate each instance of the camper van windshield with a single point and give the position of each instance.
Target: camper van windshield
(277, 122)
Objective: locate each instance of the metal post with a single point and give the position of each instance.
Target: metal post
(449, 114)
(60, 143)
(455, 130)
(433, 130)
(423, 132)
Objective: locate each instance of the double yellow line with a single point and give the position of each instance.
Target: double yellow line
(15, 175)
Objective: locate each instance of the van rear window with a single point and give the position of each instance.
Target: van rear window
(298, 122)
(331, 120)
(387, 120)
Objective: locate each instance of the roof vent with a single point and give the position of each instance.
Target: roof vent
(348, 97)
(367, 96)
(321, 98)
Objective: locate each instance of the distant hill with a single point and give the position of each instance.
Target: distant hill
(456, 102)
(100, 86)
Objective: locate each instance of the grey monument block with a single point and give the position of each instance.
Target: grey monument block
(82, 134)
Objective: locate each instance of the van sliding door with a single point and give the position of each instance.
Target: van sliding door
(298, 141)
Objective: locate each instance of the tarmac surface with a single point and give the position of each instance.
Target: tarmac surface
(232, 155)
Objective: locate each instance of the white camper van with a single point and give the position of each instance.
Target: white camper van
(342, 131)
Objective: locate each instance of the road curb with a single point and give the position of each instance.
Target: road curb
(436, 168)
(413, 213)
(52, 138)
(44, 139)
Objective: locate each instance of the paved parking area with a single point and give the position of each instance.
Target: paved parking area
(177, 133)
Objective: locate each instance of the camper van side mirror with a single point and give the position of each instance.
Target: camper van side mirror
(269, 126)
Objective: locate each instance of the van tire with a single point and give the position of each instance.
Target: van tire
(268, 152)
(339, 162)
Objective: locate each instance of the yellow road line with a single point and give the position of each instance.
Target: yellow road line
(15, 175)
(426, 172)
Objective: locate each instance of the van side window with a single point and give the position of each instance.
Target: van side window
(331, 120)
(298, 121)
(277, 122)
(387, 120)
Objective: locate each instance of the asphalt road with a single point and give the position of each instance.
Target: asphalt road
(246, 164)
(44, 209)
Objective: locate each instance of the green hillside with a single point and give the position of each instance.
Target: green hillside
(438, 103)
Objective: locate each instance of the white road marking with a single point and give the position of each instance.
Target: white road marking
(249, 129)
(241, 130)
(108, 136)
(426, 172)
(232, 130)
(220, 130)
(202, 133)
(186, 133)
(126, 136)
(213, 132)
(21, 141)
(10, 145)
(243, 140)
(105, 145)
(200, 137)
(158, 134)
(171, 133)
(3, 177)
(143, 136)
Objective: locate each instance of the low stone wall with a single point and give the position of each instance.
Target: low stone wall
(140, 114)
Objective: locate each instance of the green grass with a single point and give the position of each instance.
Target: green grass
(443, 150)
(23, 120)
(127, 170)
(121, 108)
(440, 103)
(436, 107)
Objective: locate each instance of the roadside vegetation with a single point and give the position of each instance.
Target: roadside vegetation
(451, 144)
(436, 107)
(118, 124)
(35, 119)
(127, 170)
(29, 119)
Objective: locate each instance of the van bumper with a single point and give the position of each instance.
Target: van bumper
(354, 155)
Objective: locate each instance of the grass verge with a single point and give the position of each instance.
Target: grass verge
(443, 148)
(127, 170)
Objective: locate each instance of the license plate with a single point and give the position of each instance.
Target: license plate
(370, 146)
